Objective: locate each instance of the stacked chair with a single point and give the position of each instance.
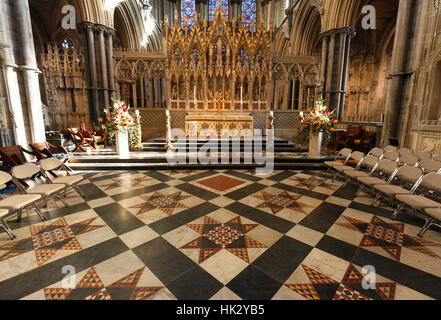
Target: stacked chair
(34, 193)
(400, 177)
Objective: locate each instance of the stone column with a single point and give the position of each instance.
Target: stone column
(110, 33)
(401, 71)
(29, 69)
(104, 70)
(334, 69)
(90, 38)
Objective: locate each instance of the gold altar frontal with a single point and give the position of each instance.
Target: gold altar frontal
(214, 125)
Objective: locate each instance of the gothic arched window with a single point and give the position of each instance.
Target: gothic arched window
(188, 10)
(249, 11)
(214, 4)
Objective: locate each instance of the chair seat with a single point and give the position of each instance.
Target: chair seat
(391, 189)
(46, 189)
(68, 180)
(418, 202)
(344, 168)
(370, 181)
(435, 213)
(356, 174)
(3, 213)
(18, 201)
(334, 163)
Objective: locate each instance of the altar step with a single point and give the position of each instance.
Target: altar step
(280, 145)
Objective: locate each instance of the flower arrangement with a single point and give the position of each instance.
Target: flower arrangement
(119, 118)
(318, 120)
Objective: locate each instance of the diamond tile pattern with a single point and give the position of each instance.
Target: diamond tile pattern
(291, 235)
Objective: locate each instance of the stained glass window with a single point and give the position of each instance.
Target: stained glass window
(188, 10)
(214, 4)
(249, 11)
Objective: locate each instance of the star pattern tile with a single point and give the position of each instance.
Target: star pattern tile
(166, 203)
(215, 236)
(278, 202)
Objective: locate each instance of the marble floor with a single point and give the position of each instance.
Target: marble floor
(199, 235)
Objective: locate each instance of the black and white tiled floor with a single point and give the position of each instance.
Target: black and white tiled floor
(218, 235)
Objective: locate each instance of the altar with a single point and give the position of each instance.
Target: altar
(214, 125)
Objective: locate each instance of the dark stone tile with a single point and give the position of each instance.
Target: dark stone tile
(46, 275)
(196, 284)
(175, 221)
(197, 192)
(164, 260)
(263, 218)
(244, 176)
(253, 284)
(337, 248)
(323, 217)
(282, 176)
(245, 191)
(138, 192)
(303, 192)
(92, 192)
(347, 192)
(158, 176)
(282, 259)
(118, 218)
(410, 277)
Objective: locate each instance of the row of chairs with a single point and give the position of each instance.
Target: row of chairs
(397, 177)
(33, 194)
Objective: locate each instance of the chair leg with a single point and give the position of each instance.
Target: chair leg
(62, 200)
(346, 183)
(20, 212)
(359, 190)
(377, 198)
(80, 192)
(37, 210)
(425, 227)
(395, 215)
(8, 230)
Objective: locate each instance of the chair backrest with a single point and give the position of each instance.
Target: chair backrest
(388, 167)
(390, 148)
(50, 164)
(408, 159)
(430, 165)
(392, 155)
(404, 151)
(409, 174)
(422, 155)
(25, 171)
(346, 153)
(437, 158)
(432, 182)
(4, 178)
(88, 127)
(377, 152)
(370, 162)
(41, 150)
(13, 156)
(357, 156)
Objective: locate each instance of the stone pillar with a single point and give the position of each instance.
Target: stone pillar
(401, 70)
(94, 102)
(110, 33)
(336, 45)
(104, 70)
(29, 69)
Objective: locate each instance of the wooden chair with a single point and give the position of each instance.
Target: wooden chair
(14, 156)
(81, 139)
(45, 150)
(95, 132)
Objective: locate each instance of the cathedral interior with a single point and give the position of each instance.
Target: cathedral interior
(198, 231)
